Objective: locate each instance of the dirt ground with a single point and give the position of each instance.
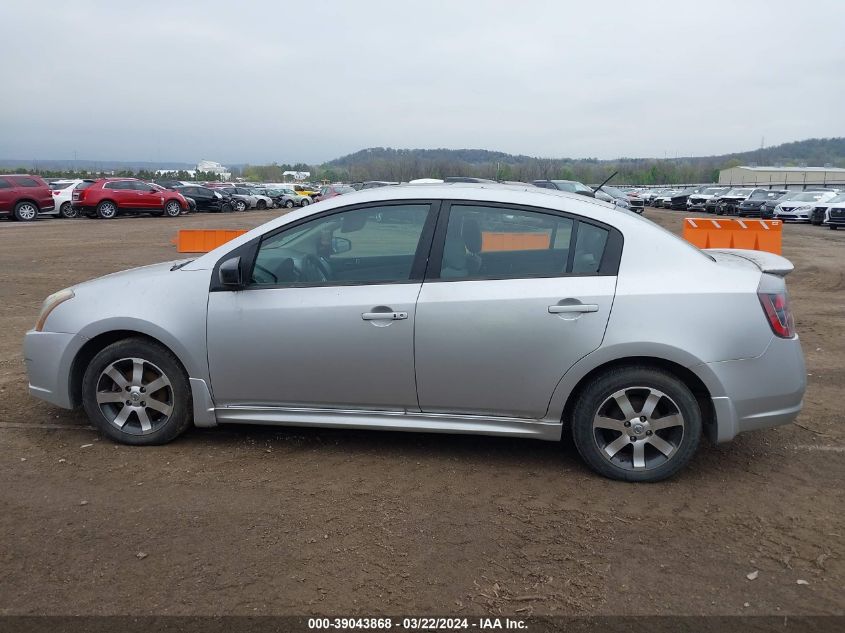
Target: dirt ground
(292, 521)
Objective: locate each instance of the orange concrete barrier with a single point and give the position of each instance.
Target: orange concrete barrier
(202, 240)
(756, 235)
(491, 241)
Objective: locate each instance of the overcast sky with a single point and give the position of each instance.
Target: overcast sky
(261, 81)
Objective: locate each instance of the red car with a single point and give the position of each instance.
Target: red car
(107, 197)
(330, 191)
(23, 197)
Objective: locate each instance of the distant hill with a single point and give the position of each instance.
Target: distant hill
(385, 163)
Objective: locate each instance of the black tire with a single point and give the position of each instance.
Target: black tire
(67, 211)
(833, 227)
(288, 204)
(106, 210)
(261, 205)
(157, 357)
(172, 209)
(226, 208)
(26, 211)
(636, 379)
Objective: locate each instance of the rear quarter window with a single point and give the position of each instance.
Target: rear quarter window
(4, 184)
(26, 182)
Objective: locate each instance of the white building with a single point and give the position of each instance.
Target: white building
(215, 168)
(297, 175)
(783, 177)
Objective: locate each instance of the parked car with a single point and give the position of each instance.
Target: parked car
(582, 339)
(331, 191)
(834, 215)
(243, 199)
(697, 201)
(635, 200)
(206, 199)
(615, 196)
(572, 186)
(288, 198)
(752, 206)
(678, 202)
(819, 212)
(800, 207)
(107, 198)
(729, 202)
(24, 197)
(664, 199)
(62, 193)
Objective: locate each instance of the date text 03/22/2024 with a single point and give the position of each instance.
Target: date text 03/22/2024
(417, 623)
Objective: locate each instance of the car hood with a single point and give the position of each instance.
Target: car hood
(115, 280)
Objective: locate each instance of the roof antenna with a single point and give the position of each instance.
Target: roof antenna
(606, 180)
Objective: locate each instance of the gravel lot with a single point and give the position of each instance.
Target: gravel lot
(293, 521)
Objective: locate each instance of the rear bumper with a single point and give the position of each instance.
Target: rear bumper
(756, 393)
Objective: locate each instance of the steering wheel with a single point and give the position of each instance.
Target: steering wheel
(312, 269)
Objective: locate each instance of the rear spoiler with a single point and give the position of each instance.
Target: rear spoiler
(765, 261)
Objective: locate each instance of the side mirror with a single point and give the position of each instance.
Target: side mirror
(341, 245)
(229, 273)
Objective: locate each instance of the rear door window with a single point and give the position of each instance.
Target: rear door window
(499, 242)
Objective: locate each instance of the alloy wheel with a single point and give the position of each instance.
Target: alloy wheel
(638, 428)
(27, 211)
(135, 396)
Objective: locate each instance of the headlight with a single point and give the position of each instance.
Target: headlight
(50, 304)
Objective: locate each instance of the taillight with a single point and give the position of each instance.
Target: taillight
(776, 307)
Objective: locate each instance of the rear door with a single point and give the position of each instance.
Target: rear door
(513, 298)
(7, 196)
(122, 192)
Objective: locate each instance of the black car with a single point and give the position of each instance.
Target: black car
(206, 199)
(679, 200)
(752, 206)
(728, 203)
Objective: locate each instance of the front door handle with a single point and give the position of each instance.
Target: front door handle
(573, 307)
(384, 316)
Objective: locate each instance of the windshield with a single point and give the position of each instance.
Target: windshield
(838, 198)
(739, 192)
(810, 196)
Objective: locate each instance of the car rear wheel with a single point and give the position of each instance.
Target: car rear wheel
(106, 210)
(172, 209)
(136, 392)
(67, 210)
(636, 424)
(26, 211)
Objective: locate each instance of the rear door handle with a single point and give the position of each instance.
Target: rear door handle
(573, 307)
(384, 316)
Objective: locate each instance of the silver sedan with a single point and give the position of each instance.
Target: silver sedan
(488, 309)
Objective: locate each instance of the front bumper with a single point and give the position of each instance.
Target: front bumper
(48, 357)
(756, 393)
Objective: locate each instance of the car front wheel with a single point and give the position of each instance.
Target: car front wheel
(636, 424)
(305, 202)
(173, 209)
(136, 392)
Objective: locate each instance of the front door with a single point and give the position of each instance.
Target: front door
(517, 298)
(327, 319)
